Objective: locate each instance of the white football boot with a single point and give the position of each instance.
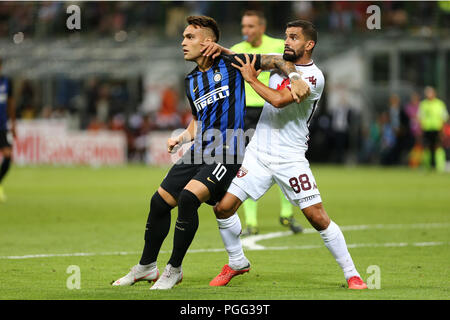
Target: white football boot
(139, 273)
(170, 277)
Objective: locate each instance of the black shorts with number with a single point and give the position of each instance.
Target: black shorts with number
(4, 139)
(216, 177)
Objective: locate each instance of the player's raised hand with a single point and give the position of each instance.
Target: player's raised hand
(299, 89)
(211, 49)
(247, 69)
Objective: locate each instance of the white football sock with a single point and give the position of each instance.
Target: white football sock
(335, 242)
(230, 230)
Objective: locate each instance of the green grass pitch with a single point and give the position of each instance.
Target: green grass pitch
(396, 219)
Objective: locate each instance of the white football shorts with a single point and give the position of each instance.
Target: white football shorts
(257, 174)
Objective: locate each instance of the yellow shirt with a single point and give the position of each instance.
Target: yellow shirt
(268, 45)
(432, 114)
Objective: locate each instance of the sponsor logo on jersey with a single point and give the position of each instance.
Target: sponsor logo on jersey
(241, 172)
(211, 97)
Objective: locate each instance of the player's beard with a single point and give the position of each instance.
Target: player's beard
(292, 55)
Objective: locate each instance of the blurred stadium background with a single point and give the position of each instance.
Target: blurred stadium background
(114, 88)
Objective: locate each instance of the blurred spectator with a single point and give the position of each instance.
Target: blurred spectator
(96, 125)
(432, 115)
(46, 17)
(400, 125)
(117, 123)
(141, 138)
(303, 10)
(371, 143)
(341, 17)
(411, 109)
(167, 117)
(102, 105)
(446, 139)
(26, 108)
(175, 18)
(340, 125)
(388, 140)
(444, 13)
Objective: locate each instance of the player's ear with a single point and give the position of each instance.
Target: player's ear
(310, 45)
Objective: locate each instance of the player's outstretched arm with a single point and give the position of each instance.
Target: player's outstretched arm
(186, 136)
(277, 98)
(299, 88)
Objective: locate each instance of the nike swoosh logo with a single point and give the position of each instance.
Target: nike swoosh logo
(195, 89)
(209, 179)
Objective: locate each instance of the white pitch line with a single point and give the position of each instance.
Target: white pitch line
(250, 242)
(276, 248)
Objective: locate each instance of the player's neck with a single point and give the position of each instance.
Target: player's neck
(204, 63)
(306, 59)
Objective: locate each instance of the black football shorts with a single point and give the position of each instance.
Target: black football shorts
(216, 177)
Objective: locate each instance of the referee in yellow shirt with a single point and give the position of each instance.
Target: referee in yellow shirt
(256, 41)
(432, 115)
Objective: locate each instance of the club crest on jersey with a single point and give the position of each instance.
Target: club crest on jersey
(217, 77)
(241, 172)
(313, 80)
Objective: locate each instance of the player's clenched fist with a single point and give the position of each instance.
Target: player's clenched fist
(173, 144)
(299, 89)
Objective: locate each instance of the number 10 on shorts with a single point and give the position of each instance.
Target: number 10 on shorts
(219, 171)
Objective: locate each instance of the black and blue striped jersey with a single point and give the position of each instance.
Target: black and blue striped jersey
(217, 99)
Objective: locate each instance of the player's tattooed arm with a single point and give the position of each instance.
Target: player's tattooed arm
(299, 88)
(277, 98)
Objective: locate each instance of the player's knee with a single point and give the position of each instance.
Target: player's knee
(187, 201)
(158, 204)
(223, 211)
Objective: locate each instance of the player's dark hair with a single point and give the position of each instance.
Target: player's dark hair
(308, 30)
(256, 13)
(205, 22)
